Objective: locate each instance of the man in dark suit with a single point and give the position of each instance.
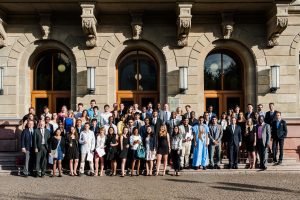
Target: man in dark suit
(250, 113)
(27, 148)
(49, 126)
(279, 132)
(270, 115)
(234, 142)
(94, 127)
(156, 122)
(188, 112)
(215, 137)
(193, 121)
(172, 123)
(41, 146)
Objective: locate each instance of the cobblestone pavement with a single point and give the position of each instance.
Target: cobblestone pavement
(263, 185)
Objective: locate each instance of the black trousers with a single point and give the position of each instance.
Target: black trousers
(263, 153)
(175, 159)
(275, 147)
(233, 154)
(41, 161)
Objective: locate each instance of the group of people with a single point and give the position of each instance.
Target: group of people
(139, 141)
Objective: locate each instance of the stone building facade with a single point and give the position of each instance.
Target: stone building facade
(259, 33)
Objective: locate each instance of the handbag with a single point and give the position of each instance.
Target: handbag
(54, 153)
(140, 152)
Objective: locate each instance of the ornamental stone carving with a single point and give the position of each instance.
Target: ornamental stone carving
(45, 23)
(89, 23)
(184, 23)
(227, 25)
(3, 36)
(277, 23)
(136, 26)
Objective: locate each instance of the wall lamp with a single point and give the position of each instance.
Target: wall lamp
(183, 79)
(275, 78)
(91, 80)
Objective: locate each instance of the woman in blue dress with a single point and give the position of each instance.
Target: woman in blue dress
(201, 141)
(69, 121)
(57, 147)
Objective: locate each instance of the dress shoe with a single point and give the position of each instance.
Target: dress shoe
(279, 162)
(204, 168)
(217, 167)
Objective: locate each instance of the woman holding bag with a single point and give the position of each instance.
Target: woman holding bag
(57, 147)
(135, 142)
(150, 145)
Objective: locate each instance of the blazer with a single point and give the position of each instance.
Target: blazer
(184, 134)
(215, 135)
(266, 133)
(269, 118)
(38, 139)
(170, 125)
(236, 137)
(281, 131)
(143, 131)
(165, 115)
(157, 126)
(193, 122)
(252, 115)
(54, 142)
(27, 139)
(152, 142)
(144, 115)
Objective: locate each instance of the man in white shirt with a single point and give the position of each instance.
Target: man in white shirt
(87, 141)
(106, 114)
(187, 136)
(110, 124)
(136, 108)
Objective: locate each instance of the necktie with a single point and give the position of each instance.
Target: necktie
(173, 122)
(233, 128)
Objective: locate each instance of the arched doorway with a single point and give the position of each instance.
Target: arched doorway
(51, 84)
(137, 78)
(223, 81)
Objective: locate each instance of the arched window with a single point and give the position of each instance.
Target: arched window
(51, 81)
(223, 71)
(223, 81)
(52, 72)
(137, 78)
(137, 71)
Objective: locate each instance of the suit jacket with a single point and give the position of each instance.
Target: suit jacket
(266, 133)
(38, 139)
(252, 115)
(165, 116)
(170, 125)
(186, 115)
(211, 115)
(27, 139)
(193, 122)
(51, 130)
(281, 131)
(144, 115)
(269, 118)
(215, 135)
(143, 131)
(234, 138)
(157, 126)
(95, 129)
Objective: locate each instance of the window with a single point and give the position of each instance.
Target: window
(137, 72)
(222, 71)
(52, 72)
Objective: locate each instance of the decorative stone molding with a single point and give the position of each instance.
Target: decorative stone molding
(45, 23)
(89, 23)
(227, 25)
(277, 23)
(3, 35)
(184, 23)
(136, 26)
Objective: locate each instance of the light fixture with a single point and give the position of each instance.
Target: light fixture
(61, 68)
(1, 80)
(275, 78)
(183, 79)
(91, 80)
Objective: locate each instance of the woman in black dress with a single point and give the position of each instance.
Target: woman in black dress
(163, 148)
(124, 145)
(112, 150)
(250, 138)
(73, 150)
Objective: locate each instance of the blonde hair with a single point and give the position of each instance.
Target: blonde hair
(249, 127)
(163, 131)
